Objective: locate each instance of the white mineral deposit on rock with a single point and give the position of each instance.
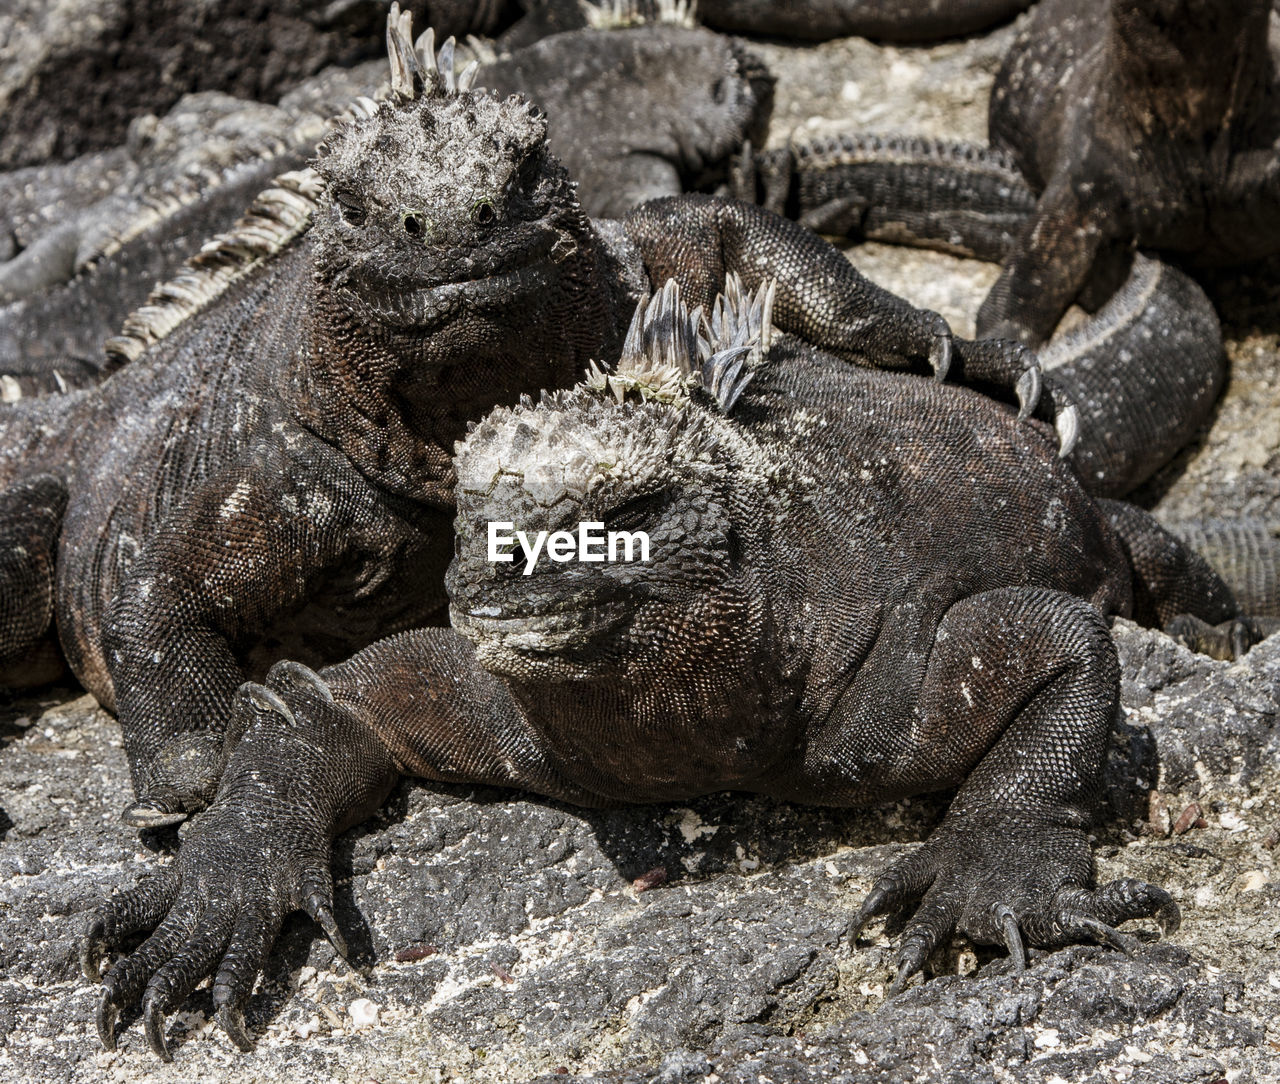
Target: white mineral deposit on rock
(363, 1013)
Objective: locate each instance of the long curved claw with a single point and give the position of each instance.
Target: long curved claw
(1168, 917)
(1028, 389)
(294, 677)
(878, 902)
(267, 700)
(911, 959)
(1109, 935)
(93, 944)
(153, 1023)
(152, 812)
(323, 916)
(940, 351)
(1012, 937)
(106, 1018)
(1067, 423)
(231, 1019)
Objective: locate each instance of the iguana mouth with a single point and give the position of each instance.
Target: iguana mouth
(539, 634)
(383, 296)
(431, 306)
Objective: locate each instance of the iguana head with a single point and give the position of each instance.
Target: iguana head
(442, 204)
(644, 449)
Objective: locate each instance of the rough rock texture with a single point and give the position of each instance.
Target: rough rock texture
(73, 73)
(525, 946)
(736, 965)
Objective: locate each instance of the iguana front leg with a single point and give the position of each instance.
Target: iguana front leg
(821, 297)
(313, 755)
(1050, 262)
(1031, 677)
(248, 546)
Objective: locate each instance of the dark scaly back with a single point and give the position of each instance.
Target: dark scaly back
(669, 105)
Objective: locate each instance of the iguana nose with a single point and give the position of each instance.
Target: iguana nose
(417, 225)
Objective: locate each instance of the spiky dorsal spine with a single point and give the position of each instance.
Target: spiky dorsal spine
(286, 209)
(274, 219)
(416, 69)
(669, 350)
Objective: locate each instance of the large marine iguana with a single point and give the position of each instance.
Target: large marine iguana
(858, 586)
(272, 478)
(1152, 122)
(633, 113)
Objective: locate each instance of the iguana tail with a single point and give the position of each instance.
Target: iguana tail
(960, 198)
(1211, 585)
(1144, 371)
(1246, 553)
(880, 20)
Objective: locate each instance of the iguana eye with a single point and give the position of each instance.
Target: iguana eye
(483, 213)
(350, 207)
(636, 512)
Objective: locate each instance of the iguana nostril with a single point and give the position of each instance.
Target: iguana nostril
(414, 225)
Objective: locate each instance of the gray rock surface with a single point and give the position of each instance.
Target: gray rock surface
(506, 938)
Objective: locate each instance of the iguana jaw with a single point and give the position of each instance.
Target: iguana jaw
(564, 641)
(407, 290)
(431, 306)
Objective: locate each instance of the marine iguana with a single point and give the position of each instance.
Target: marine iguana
(1137, 121)
(1146, 368)
(632, 114)
(186, 177)
(807, 20)
(859, 585)
(271, 477)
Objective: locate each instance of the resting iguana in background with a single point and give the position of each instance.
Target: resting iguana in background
(1148, 122)
(271, 477)
(859, 586)
(806, 20)
(633, 113)
(1113, 123)
(1146, 367)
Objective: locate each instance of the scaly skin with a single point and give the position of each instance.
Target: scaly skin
(632, 114)
(1152, 122)
(1145, 369)
(75, 281)
(787, 637)
(805, 20)
(273, 478)
(635, 114)
(880, 20)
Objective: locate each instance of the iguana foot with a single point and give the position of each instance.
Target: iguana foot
(1001, 883)
(217, 913)
(181, 780)
(260, 851)
(1228, 640)
(1011, 371)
